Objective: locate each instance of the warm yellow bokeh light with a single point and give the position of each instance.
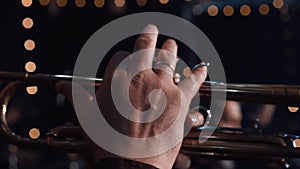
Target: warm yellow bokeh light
(61, 3)
(141, 2)
(34, 133)
(80, 3)
(30, 67)
(278, 3)
(187, 72)
(99, 3)
(44, 2)
(296, 143)
(293, 109)
(245, 10)
(264, 9)
(119, 3)
(26, 3)
(163, 1)
(29, 44)
(228, 10)
(27, 23)
(31, 90)
(212, 10)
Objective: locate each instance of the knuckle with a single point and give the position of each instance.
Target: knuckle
(144, 41)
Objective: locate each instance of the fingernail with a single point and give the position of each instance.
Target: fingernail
(202, 64)
(150, 29)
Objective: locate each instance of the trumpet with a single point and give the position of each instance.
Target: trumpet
(225, 143)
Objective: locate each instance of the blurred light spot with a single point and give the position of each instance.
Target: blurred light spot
(99, 3)
(163, 1)
(44, 2)
(278, 3)
(287, 34)
(73, 165)
(186, 72)
(264, 9)
(119, 3)
(12, 148)
(296, 143)
(61, 3)
(31, 90)
(197, 9)
(27, 23)
(212, 10)
(245, 10)
(80, 3)
(285, 17)
(26, 3)
(30, 66)
(34, 133)
(141, 2)
(284, 8)
(29, 44)
(228, 10)
(293, 109)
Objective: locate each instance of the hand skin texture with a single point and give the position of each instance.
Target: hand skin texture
(140, 87)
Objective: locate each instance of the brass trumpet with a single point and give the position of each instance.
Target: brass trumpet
(225, 143)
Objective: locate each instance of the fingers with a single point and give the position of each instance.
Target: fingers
(197, 119)
(191, 84)
(114, 62)
(65, 88)
(147, 40)
(166, 59)
(194, 119)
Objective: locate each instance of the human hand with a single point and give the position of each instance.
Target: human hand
(174, 98)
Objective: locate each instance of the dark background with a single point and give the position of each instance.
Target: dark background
(254, 49)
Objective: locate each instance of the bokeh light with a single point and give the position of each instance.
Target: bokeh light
(245, 10)
(141, 2)
(212, 10)
(278, 3)
(228, 10)
(264, 9)
(163, 1)
(293, 109)
(119, 3)
(34, 133)
(80, 3)
(32, 90)
(27, 23)
(44, 2)
(61, 3)
(29, 44)
(187, 72)
(99, 3)
(30, 66)
(26, 3)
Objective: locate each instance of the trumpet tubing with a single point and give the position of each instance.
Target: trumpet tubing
(224, 143)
